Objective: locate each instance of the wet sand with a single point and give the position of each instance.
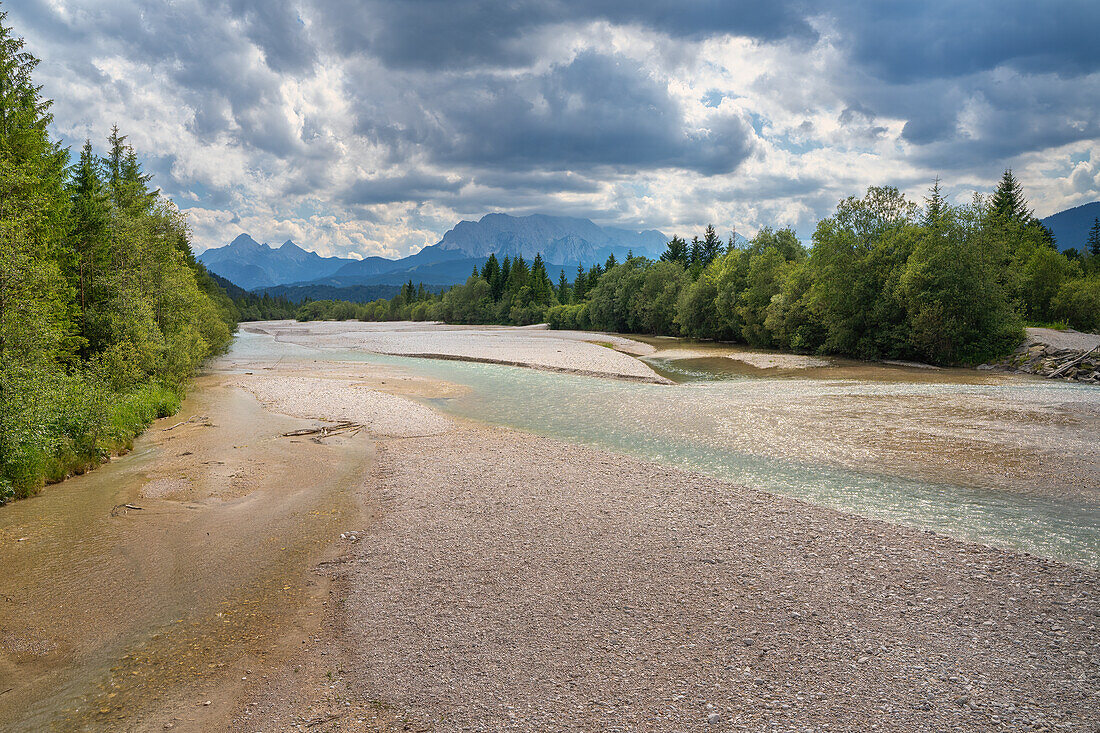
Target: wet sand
(135, 593)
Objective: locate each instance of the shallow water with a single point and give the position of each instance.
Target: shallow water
(107, 612)
(1004, 461)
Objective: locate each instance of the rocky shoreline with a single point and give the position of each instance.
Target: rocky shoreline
(1070, 356)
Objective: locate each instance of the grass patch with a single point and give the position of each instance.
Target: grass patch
(92, 425)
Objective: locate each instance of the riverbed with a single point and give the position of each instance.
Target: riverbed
(225, 575)
(998, 458)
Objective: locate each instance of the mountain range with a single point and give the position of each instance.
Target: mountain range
(562, 241)
(1071, 227)
(251, 265)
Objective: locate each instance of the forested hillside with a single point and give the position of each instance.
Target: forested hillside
(104, 311)
(883, 279)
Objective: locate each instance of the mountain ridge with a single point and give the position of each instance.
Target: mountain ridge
(251, 265)
(562, 241)
(1070, 227)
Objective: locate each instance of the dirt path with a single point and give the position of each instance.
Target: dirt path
(511, 582)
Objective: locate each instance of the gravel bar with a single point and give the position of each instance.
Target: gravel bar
(507, 581)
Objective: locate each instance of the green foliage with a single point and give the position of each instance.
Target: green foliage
(1077, 303)
(884, 279)
(104, 311)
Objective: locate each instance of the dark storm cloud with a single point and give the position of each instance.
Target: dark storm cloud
(942, 39)
(445, 34)
(517, 100)
(595, 111)
(410, 187)
(277, 29)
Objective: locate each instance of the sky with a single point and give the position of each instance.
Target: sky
(370, 127)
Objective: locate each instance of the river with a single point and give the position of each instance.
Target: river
(109, 612)
(1004, 460)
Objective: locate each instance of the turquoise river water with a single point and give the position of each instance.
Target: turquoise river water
(949, 454)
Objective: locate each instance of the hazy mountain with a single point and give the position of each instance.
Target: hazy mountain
(252, 265)
(563, 241)
(1071, 227)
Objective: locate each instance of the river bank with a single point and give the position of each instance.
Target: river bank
(160, 580)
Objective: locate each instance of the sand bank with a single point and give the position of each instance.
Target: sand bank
(575, 352)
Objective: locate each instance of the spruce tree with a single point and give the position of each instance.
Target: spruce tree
(695, 254)
(934, 205)
(563, 287)
(580, 284)
(542, 290)
(676, 251)
(1008, 201)
(88, 235)
(1093, 241)
(711, 245)
(34, 296)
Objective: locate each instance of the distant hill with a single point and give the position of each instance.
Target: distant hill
(563, 242)
(1071, 227)
(252, 265)
(231, 289)
(354, 293)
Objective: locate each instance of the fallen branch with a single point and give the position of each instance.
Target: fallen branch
(1065, 367)
(325, 430)
(5, 692)
(323, 719)
(193, 418)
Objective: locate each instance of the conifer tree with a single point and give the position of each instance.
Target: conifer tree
(676, 251)
(563, 288)
(710, 246)
(88, 234)
(542, 290)
(1093, 241)
(580, 284)
(1008, 201)
(34, 317)
(934, 205)
(695, 253)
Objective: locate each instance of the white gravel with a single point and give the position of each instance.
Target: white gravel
(384, 415)
(566, 351)
(1063, 339)
(511, 582)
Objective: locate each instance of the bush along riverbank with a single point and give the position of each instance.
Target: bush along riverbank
(883, 279)
(104, 311)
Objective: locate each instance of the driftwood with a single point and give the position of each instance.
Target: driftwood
(1065, 367)
(193, 418)
(119, 507)
(325, 431)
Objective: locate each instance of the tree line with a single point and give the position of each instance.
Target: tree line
(104, 311)
(883, 278)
